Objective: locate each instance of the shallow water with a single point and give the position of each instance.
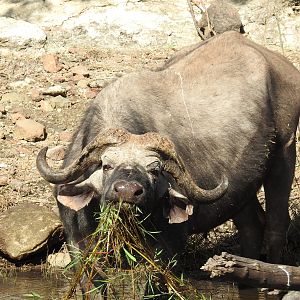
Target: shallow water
(24, 285)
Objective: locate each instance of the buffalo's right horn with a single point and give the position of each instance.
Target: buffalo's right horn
(89, 156)
(193, 191)
(173, 164)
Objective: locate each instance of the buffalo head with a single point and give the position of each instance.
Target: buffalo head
(138, 169)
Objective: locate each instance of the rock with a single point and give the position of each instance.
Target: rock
(292, 295)
(29, 130)
(92, 93)
(20, 32)
(78, 77)
(56, 153)
(59, 78)
(50, 63)
(223, 16)
(17, 116)
(28, 229)
(83, 83)
(59, 260)
(80, 70)
(14, 98)
(60, 102)
(36, 95)
(65, 136)
(3, 180)
(55, 90)
(2, 109)
(2, 134)
(21, 84)
(46, 106)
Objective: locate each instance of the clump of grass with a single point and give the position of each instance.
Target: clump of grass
(118, 249)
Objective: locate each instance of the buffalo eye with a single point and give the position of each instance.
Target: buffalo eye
(107, 167)
(154, 168)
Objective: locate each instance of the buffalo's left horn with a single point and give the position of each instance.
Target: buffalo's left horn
(89, 156)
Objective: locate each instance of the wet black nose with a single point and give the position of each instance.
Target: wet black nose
(129, 191)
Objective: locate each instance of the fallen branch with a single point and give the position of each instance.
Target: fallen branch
(253, 272)
(194, 19)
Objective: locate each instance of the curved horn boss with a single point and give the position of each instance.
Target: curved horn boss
(89, 156)
(173, 164)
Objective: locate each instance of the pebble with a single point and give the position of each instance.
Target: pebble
(55, 90)
(98, 83)
(59, 260)
(59, 102)
(91, 93)
(56, 153)
(80, 70)
(36, 95)
(2, 109)
(50, 63)
(77, 77)
(3, 180)
(46, 106)
(29, 130)
(83, 83)
(17, 116)
(65, 136)
(2, 134)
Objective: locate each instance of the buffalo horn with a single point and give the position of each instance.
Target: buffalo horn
(89, 156)
(174, 165)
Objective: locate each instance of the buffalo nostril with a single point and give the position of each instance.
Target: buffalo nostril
(139, 192)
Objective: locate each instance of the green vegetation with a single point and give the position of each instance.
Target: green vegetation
(117, 256)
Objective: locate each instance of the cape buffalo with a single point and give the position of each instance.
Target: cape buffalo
(190, 143)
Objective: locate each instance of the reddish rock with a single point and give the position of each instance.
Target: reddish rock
(80, 70)
(77, 77)
(50, 63)
(91, 93)
(59, 78)
(65, 136)
(29, 130)
(17, 116)
(56, 153)
(36, 95)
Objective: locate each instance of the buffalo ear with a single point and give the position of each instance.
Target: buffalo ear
(74, 197)
(179, 210)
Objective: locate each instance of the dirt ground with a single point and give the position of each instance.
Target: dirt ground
(22, 73)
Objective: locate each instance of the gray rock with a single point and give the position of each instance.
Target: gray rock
(59, 260)
(222, 16)
(20, 32)
(55, 90)
(13, 98)
(60, 102)
(28, 229)
(293, 295)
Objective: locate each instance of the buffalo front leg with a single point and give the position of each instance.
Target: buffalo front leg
(250, 223)
(277, 186)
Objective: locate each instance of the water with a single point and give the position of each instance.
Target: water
(24, 285)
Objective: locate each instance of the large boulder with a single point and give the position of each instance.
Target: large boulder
(20, 32)
(28, 229)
